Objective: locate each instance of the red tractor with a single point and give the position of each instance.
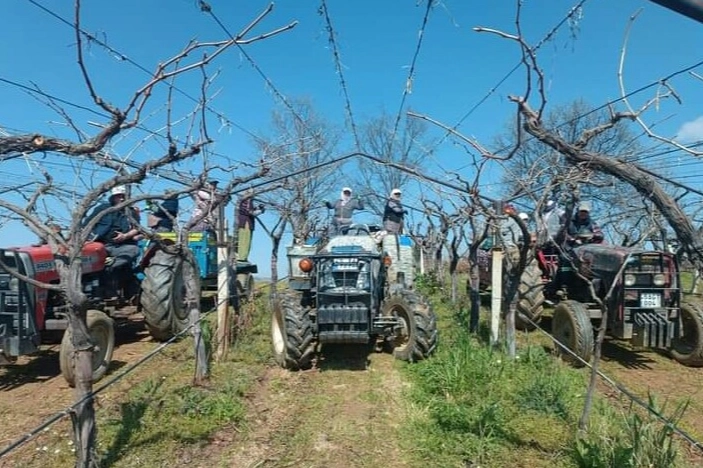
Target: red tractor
(30, 315)
(645, 307)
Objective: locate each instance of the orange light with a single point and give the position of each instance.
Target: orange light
(305, 265)
(387, 260)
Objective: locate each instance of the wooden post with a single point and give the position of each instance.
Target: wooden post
(496, 293)
(510, 326)
(496, 275)
(223, 315)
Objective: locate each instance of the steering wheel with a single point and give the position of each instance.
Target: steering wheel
(359, 229)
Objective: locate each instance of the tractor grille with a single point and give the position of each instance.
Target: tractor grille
(339, 323)
(343, 275)
(650, 298)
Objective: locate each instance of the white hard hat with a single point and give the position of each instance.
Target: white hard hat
(523, 216)
(119, 190)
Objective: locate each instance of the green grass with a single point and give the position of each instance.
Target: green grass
(164, 417)
(472, 406)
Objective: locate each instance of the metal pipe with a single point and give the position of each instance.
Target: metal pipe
(690, 8)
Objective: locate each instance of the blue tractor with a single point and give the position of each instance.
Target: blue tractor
(356, 288)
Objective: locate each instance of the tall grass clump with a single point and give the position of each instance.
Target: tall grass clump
(639, 439)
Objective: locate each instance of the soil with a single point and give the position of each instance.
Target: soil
(343, 412)
(33, 389)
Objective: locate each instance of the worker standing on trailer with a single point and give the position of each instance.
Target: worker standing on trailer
(343, 211)
(246, 222)
(394, 213)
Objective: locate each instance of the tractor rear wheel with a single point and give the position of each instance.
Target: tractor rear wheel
(688, 347)
(571, 326)
(163, 296)
(292, 332)
(530, 298)
(417, 336)
(102, 334)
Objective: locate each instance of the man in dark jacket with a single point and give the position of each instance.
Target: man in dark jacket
(163, 214)
(343, 210)
(582, 228)
(246, 217)
(118, 232)
(394, 213)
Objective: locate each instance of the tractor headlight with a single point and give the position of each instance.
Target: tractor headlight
(630, 280)
(305, 265)
(659, 279)
(14, 284)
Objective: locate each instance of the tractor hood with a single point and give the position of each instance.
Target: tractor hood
(350, 245)
(595, 258)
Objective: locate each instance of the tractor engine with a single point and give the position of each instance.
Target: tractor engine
(650, 300)
(347, 290)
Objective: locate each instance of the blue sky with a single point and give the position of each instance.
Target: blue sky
(456, 67)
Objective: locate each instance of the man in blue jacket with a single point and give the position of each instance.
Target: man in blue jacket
(118, 232)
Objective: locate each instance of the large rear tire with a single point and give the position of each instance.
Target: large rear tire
(102, 333)
(292, 332)
(571, 326)
(687, 349)
(163, 296)
(530, 298)
(417, 336)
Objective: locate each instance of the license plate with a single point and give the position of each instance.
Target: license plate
(650, 300)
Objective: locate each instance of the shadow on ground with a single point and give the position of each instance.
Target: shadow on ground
(41, 367)
(344, 357)
(44, 364)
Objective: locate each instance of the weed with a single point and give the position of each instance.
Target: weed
(547, 393)
(428, 284)
(219, 406)
(640, 441)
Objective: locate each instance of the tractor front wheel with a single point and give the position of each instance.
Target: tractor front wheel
(292, 332)
(571, 326)
(688, 346)
(102, 334)
(416, 335)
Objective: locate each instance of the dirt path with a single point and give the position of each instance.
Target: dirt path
(346, 412)
(33, 389)
(645, 372)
